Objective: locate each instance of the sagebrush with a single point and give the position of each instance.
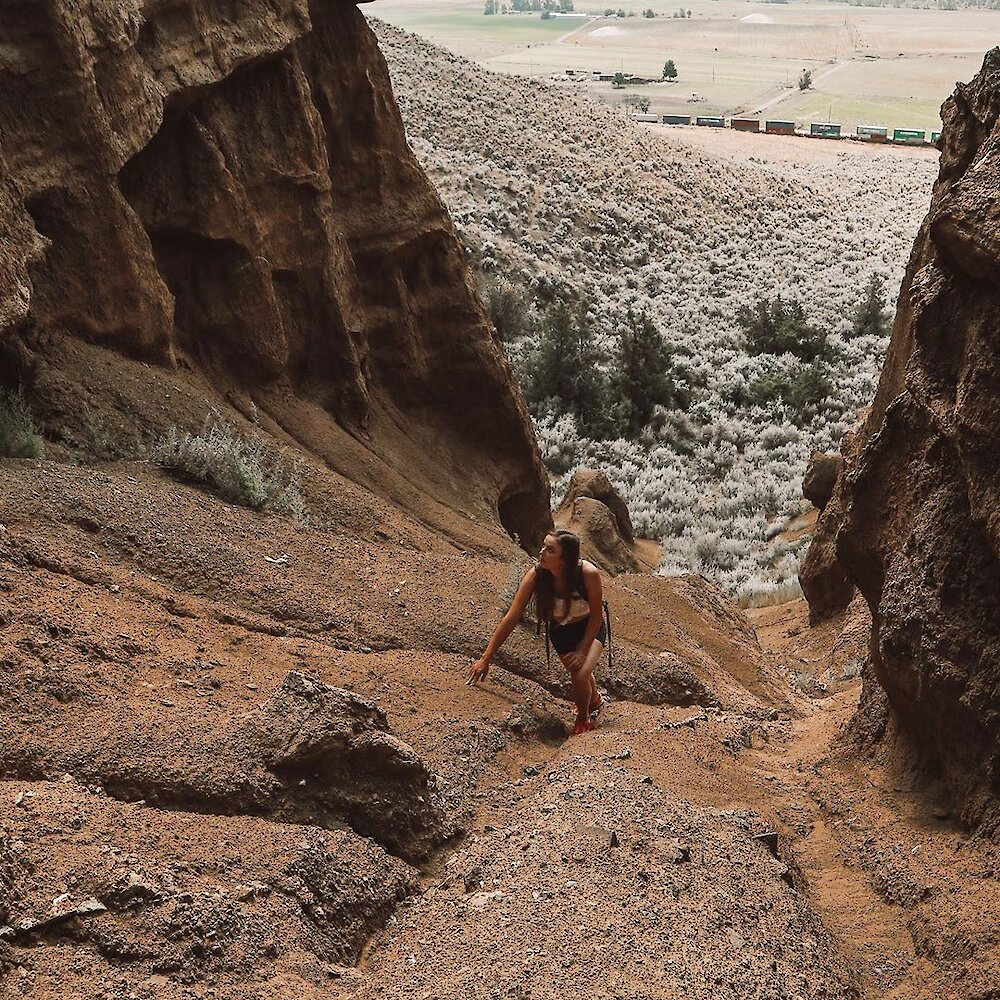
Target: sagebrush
(19, 435)
(240, 469)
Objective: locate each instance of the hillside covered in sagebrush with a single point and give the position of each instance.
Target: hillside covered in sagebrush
(561, 199)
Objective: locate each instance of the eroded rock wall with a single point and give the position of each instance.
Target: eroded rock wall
(918, 524)
(227, 189)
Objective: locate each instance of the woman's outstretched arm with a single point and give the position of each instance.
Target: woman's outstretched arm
(481, 667)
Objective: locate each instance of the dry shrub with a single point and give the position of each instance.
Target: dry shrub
(19, 436)
(242, 470)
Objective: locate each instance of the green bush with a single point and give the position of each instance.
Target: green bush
(800, 389)
(19, 437)
(507, 306)
(778, 327)
(242, 471)
(637, 102)
(871, 316)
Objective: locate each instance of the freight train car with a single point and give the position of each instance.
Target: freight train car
(676, 119)
(909, 136)
(710, 121)
(777, 127)
(873, 133)
(825, 130)
(646, 118)
(745, 124)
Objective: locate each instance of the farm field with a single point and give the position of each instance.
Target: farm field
(870, 65)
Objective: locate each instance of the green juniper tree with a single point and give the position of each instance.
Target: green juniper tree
(779, 327)
(871, 316)
(801, 389)
(566, 369)
(642, 377)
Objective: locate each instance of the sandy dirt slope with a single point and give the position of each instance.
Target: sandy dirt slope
(145, 617)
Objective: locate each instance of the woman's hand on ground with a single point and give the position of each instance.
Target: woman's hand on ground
(478, 671)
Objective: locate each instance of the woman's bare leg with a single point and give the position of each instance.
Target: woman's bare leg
(583, 683)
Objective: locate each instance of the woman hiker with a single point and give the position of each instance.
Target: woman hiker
(569, 600)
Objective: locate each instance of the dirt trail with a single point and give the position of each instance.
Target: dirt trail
(911, 899)
(785, 92)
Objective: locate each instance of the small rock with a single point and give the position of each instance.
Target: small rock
(90, 906)
(483, 899)
(682, 853)
(770, 840)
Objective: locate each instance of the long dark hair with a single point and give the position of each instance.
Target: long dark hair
(545, 584)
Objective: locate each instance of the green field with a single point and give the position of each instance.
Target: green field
(881, 65)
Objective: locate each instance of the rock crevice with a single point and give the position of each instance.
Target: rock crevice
(915, 518)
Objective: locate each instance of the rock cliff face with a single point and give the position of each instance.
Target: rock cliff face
(916, 518)
(227, 190)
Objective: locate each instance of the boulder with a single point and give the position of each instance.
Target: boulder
(310, 754)
(600, 539)
(596, 485)
(821, 477)
(337, 761)
(825, 583)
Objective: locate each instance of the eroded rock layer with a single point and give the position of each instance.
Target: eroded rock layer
(227, 189)
(917, 524)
